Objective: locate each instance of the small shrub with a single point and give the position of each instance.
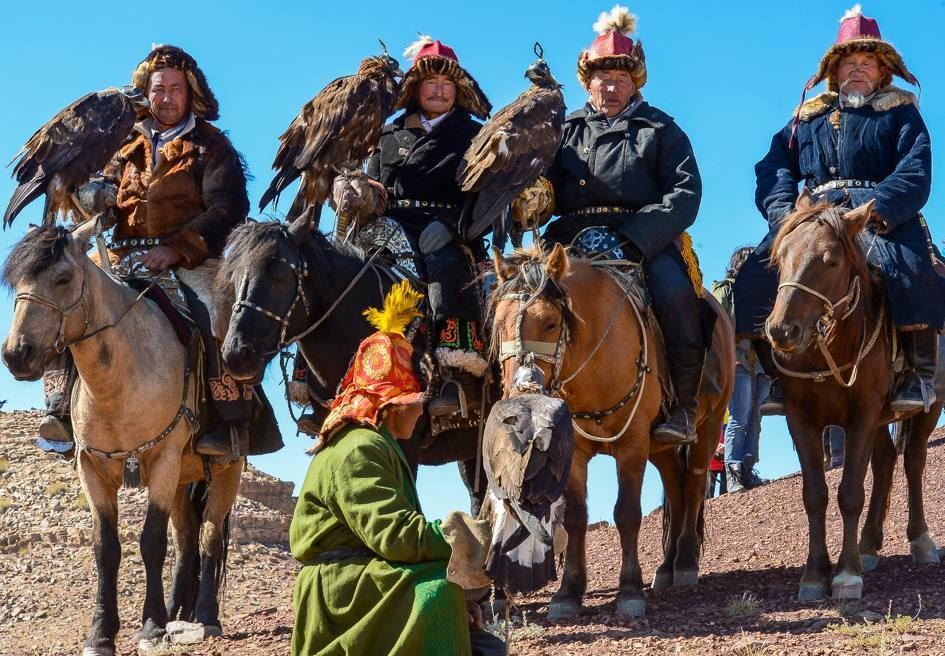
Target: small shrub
(4, 465)
(56, 488)
(80, 502)
(744, 606)
(4, 504)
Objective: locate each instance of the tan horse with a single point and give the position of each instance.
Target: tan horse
(133, 392)
(577, 323)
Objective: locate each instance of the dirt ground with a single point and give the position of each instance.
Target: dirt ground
(745, 602)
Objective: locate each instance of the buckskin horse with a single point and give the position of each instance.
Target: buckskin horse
(279, 284)
(830, 309)
(583, 327)
(133, 401)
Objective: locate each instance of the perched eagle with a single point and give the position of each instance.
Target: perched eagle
(335, 131)
(75, 145)
(527, 447)
(513, 149)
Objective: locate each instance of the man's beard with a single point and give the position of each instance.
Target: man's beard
(855, 98)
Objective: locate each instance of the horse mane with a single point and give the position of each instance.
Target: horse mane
(40, 248)
(831, 216)
(530, 277)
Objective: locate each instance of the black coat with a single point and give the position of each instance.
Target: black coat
(643, 163)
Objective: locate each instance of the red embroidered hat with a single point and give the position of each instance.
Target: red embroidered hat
(382, 372)
(859, 33)
(432, 57)
(613, 48)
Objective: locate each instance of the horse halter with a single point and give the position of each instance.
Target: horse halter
(527, 351)
(300, 272)
(61, 344)
(826, 321)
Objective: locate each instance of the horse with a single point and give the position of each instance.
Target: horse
(830, 309)
(279, 284)
(128, 358)
(582, 328)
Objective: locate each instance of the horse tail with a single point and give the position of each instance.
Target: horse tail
(219, 575)
(901, 430)
(199, 494)
(665, 524)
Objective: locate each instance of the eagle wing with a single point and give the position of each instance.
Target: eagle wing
(510, 152)
(68, 150)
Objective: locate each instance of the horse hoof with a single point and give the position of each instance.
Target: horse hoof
(869, 561)
(846, 586)
(924, 551)
(812, 592)
(564, 610)
(662, 581)
(631, 607)
(98, 651)
(685, 578)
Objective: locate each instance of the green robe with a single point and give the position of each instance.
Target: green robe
(359, 492)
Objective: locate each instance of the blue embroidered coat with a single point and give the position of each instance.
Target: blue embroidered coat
(884, 142)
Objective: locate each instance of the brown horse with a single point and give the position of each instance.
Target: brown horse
(581, 326)
(833, 344)
(130, 410)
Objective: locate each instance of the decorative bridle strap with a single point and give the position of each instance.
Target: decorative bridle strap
(300, 271)
(851, 299)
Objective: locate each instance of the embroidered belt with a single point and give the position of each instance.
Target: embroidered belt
(844, 184)
(147, 242)
(407, 203)
(341, 553)
(604, 209)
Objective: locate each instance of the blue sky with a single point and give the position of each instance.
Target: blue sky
(730, 73)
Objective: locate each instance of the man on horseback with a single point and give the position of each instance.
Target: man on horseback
(863, 139)
(416, 163)
(626, 169)
(175, 190)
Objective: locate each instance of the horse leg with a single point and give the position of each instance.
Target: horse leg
(628, 516)
(668, 465)
(213, 538)
(918, 428)
(103, 498)
(847, 583)
(883, 463)
(467, 471)
(184, 523)
(816, 577)
(567, 600)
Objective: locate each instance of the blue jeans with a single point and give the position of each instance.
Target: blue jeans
(744, 424)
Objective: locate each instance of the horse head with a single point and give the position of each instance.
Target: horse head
(260, 293)
(823, 272)
(46, 271)
(530, 315)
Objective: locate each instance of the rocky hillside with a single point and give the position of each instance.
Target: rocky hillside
(745, 603)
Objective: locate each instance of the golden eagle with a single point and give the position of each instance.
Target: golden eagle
(336, 130)
(75, 145)
(513, 149)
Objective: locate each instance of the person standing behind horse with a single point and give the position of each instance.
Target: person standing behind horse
(861, 140)
(627, 167)
(176, 189)
(743, 430)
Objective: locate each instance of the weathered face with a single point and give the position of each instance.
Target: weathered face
(611, 90)
(169, 95)
(860, 72)
(437, 95)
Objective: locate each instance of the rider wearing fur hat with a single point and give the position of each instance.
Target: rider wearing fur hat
(416, 163)
(861, 140)
(626, 167)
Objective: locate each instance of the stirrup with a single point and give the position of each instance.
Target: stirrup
(671, 432)
(439, 407)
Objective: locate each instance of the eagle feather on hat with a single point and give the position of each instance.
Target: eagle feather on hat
(512, 150)
(334, 132)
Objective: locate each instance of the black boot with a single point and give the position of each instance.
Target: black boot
(55, 436)
(685, 367)
(916, 389)
(733, 478)
(750, 477)
(773, 404)
(225, 440)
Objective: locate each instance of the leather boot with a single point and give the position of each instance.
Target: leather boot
(685, 367)
(773, 404)
(224, 440)
(55, 436)
(733, 478)
(916, 390)
(750, 477)
(447, 402)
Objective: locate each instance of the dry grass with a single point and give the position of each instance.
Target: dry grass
(80, 502)
(5, 504)
(56, 488)
(4, 465)
(745, 606)
(879, 637)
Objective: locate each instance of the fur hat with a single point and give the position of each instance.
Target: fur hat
(859, 33)
(202, 101)
(434, 58)
(613, 48)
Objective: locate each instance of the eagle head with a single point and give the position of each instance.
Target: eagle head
(136, 97)
(383, 65)
(540, 75)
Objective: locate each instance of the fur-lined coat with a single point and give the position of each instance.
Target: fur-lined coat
(192, 199)
(885, 142)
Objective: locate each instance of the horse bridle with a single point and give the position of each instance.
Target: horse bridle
(526, 351)
(300, 272)
(826, 321)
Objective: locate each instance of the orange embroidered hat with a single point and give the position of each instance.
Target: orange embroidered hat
(382, 372)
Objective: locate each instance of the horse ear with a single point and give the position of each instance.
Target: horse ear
(805, 201)
(557, 264)
(82, 234)
(857, 218)
(503, 270)
(301, 228)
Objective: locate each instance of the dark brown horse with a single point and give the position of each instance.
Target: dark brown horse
(832, 342)
(583, 328)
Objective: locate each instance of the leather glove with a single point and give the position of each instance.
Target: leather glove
(97, 195)
(434, 237)
(534, 205)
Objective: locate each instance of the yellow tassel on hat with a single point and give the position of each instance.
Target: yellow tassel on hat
(400, 308)
(692, 262)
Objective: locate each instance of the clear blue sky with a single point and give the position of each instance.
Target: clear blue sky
(730, 73)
